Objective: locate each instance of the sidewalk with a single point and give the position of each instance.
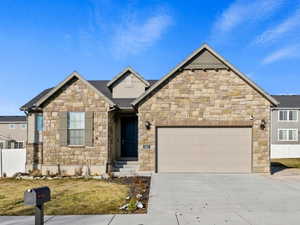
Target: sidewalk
(137, 219)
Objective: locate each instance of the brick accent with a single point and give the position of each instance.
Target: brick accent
(208, 98)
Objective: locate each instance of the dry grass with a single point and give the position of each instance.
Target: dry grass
(289, 163)
(69, 196)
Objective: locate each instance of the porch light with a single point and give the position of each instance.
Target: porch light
(263, 124)
(147, 125)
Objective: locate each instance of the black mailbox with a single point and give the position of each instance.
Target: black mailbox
(37, 196)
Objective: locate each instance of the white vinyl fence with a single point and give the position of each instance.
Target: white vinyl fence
(285, 151)
(12, 161)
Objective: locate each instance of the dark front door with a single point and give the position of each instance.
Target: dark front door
(129, 131)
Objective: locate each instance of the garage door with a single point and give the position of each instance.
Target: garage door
(215, 150)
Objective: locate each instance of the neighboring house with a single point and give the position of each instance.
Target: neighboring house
(13, 132)
(203, 116)
(285, 141)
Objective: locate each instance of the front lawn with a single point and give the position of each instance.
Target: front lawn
(289, 163)
(74, 196)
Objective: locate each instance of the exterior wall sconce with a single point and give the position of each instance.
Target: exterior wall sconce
(147, 125)
(263, 124)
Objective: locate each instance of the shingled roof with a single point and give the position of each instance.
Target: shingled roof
(100, 85)
(7, 119)
(288, 101)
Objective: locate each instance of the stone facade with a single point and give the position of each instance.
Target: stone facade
(205, 98)
(34, 156)
(75, 96)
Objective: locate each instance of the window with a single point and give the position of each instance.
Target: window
(287, 134)
(10, 144)
(76, 128)
(1, 144)
(39, 123)
(19, 144)
(23, 126)
(12, 126)
(288, 115)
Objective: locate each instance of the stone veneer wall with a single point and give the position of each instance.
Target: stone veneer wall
(34, 156)
(210, 98)
(75, 97)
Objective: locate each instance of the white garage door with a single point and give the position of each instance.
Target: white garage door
(215, 150)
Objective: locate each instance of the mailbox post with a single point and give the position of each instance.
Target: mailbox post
(37, 197)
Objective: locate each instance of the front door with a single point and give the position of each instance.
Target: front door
(129, 131)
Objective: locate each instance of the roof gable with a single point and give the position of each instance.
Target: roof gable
(205, 60)
(60, 85)
(212, 59)
(125, 72)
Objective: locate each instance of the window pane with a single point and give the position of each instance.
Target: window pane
(283, 115)
(39, 122)
(293, 115)
(76, 120)
(282, 135)
(76, 137)
(292, 135)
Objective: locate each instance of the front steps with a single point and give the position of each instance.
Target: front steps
(125, 168)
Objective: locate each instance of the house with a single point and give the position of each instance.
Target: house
(13, 132)
(202, 116)
(285, 127)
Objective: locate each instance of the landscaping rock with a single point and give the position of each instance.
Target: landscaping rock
(124, 207)
(27, 177)
(139, 205)
(105, 176)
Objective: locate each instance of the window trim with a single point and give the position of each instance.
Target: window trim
(288, 111)
(68, 131)
(287, 129)
(3, 144)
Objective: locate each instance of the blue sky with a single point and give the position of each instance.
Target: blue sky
(42, 41)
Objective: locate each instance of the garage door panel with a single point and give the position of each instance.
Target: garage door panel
(204, 149)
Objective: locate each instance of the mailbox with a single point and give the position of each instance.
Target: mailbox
(37, 196)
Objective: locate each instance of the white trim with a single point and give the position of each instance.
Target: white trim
(287, 129)
(288, 112)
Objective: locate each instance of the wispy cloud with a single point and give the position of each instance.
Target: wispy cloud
(292, 51)
(241, 11)
(288, 26)
(134, 35)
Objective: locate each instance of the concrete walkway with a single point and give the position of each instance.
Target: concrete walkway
(208, 199)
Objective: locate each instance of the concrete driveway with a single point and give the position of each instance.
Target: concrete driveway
(208, 199)
(227, 199)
